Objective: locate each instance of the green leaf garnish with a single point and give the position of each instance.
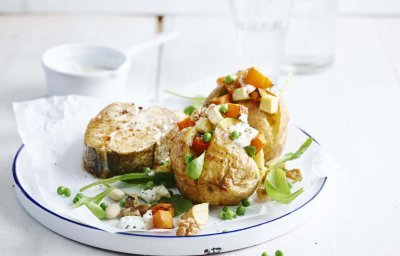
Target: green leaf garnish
(189, 110)
(251, 150)
(188, 159)
(96, 210)
(276, 162)
(195, 167)
(278, 188)
(95, 199)
(181, 204)
(195, 101)
(158, 177)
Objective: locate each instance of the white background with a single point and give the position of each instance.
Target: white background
(352, 109)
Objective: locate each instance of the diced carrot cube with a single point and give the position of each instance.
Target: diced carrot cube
(187, 122)
(163, 219)
(255, 78)
(259, 141)
(235, 110)
(222, 99)
(163, 207)
(199, 145)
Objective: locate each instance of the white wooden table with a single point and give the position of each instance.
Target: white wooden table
(353, 109)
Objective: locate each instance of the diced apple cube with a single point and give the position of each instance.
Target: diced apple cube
(214, 115)
(203, 125)
(240, 94)
(269, 104)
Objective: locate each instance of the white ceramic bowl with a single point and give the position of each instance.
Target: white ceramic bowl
(84, 69)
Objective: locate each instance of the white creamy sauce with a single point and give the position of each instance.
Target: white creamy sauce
(244, 118)
(76, 67)
(246, 134)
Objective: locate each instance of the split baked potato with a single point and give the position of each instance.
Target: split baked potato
(267, 110)
(229, 171)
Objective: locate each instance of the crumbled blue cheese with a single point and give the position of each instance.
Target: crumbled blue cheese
(244, 118)
(148, 220)
(246, 134)
(132, 223)
(154, 194)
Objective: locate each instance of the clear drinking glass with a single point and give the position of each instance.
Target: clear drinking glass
(310, 37)
(261, 27)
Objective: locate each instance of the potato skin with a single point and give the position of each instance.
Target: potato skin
(229, 175)
(274, 127)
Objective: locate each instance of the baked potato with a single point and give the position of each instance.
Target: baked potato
(228, 176)
(267, 111)
(214, 156)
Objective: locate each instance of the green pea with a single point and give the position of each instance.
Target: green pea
(229, 79)
(251, 150)
(230, 215)
(146, 169)
(264, 254)
(189, 110)
(79, 195)
(240, 211)
(60, 190)
(67, 192)
(225, 209)
(207, 137)
(75, 200)
(279, 253)
(122, 203)
(223, 108)
(222, 215)
(246, 202)
(103, 206)
(234, 135)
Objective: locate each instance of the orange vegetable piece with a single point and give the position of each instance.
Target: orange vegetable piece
(199, 145)
(222, 99)
(163, 219)
(255, 78)
(259, 141)
(235, 110)
(187, 122)
(163, 207)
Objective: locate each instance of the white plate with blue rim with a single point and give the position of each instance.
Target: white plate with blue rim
(230, 235)
(268, 221)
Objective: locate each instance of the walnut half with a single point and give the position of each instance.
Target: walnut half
(187, 227)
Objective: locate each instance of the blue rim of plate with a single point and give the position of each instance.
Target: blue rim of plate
(16, 180)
